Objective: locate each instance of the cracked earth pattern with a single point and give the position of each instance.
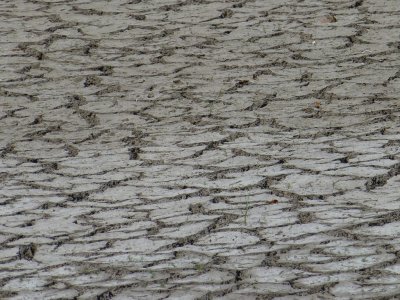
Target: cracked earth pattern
(199, 149)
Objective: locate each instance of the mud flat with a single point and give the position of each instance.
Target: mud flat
(199, 149)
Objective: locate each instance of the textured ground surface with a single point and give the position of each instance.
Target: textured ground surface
(199, 149)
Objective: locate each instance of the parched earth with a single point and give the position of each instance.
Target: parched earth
(199, 149)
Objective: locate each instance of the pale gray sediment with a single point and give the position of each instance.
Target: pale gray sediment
(199, 149)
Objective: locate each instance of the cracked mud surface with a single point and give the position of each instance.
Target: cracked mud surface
(199, 149)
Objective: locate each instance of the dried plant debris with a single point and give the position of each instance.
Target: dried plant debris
(27, 251)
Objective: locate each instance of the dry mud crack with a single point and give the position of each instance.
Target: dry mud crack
(199, 149)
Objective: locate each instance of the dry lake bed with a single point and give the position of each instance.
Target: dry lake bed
(199, 149)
